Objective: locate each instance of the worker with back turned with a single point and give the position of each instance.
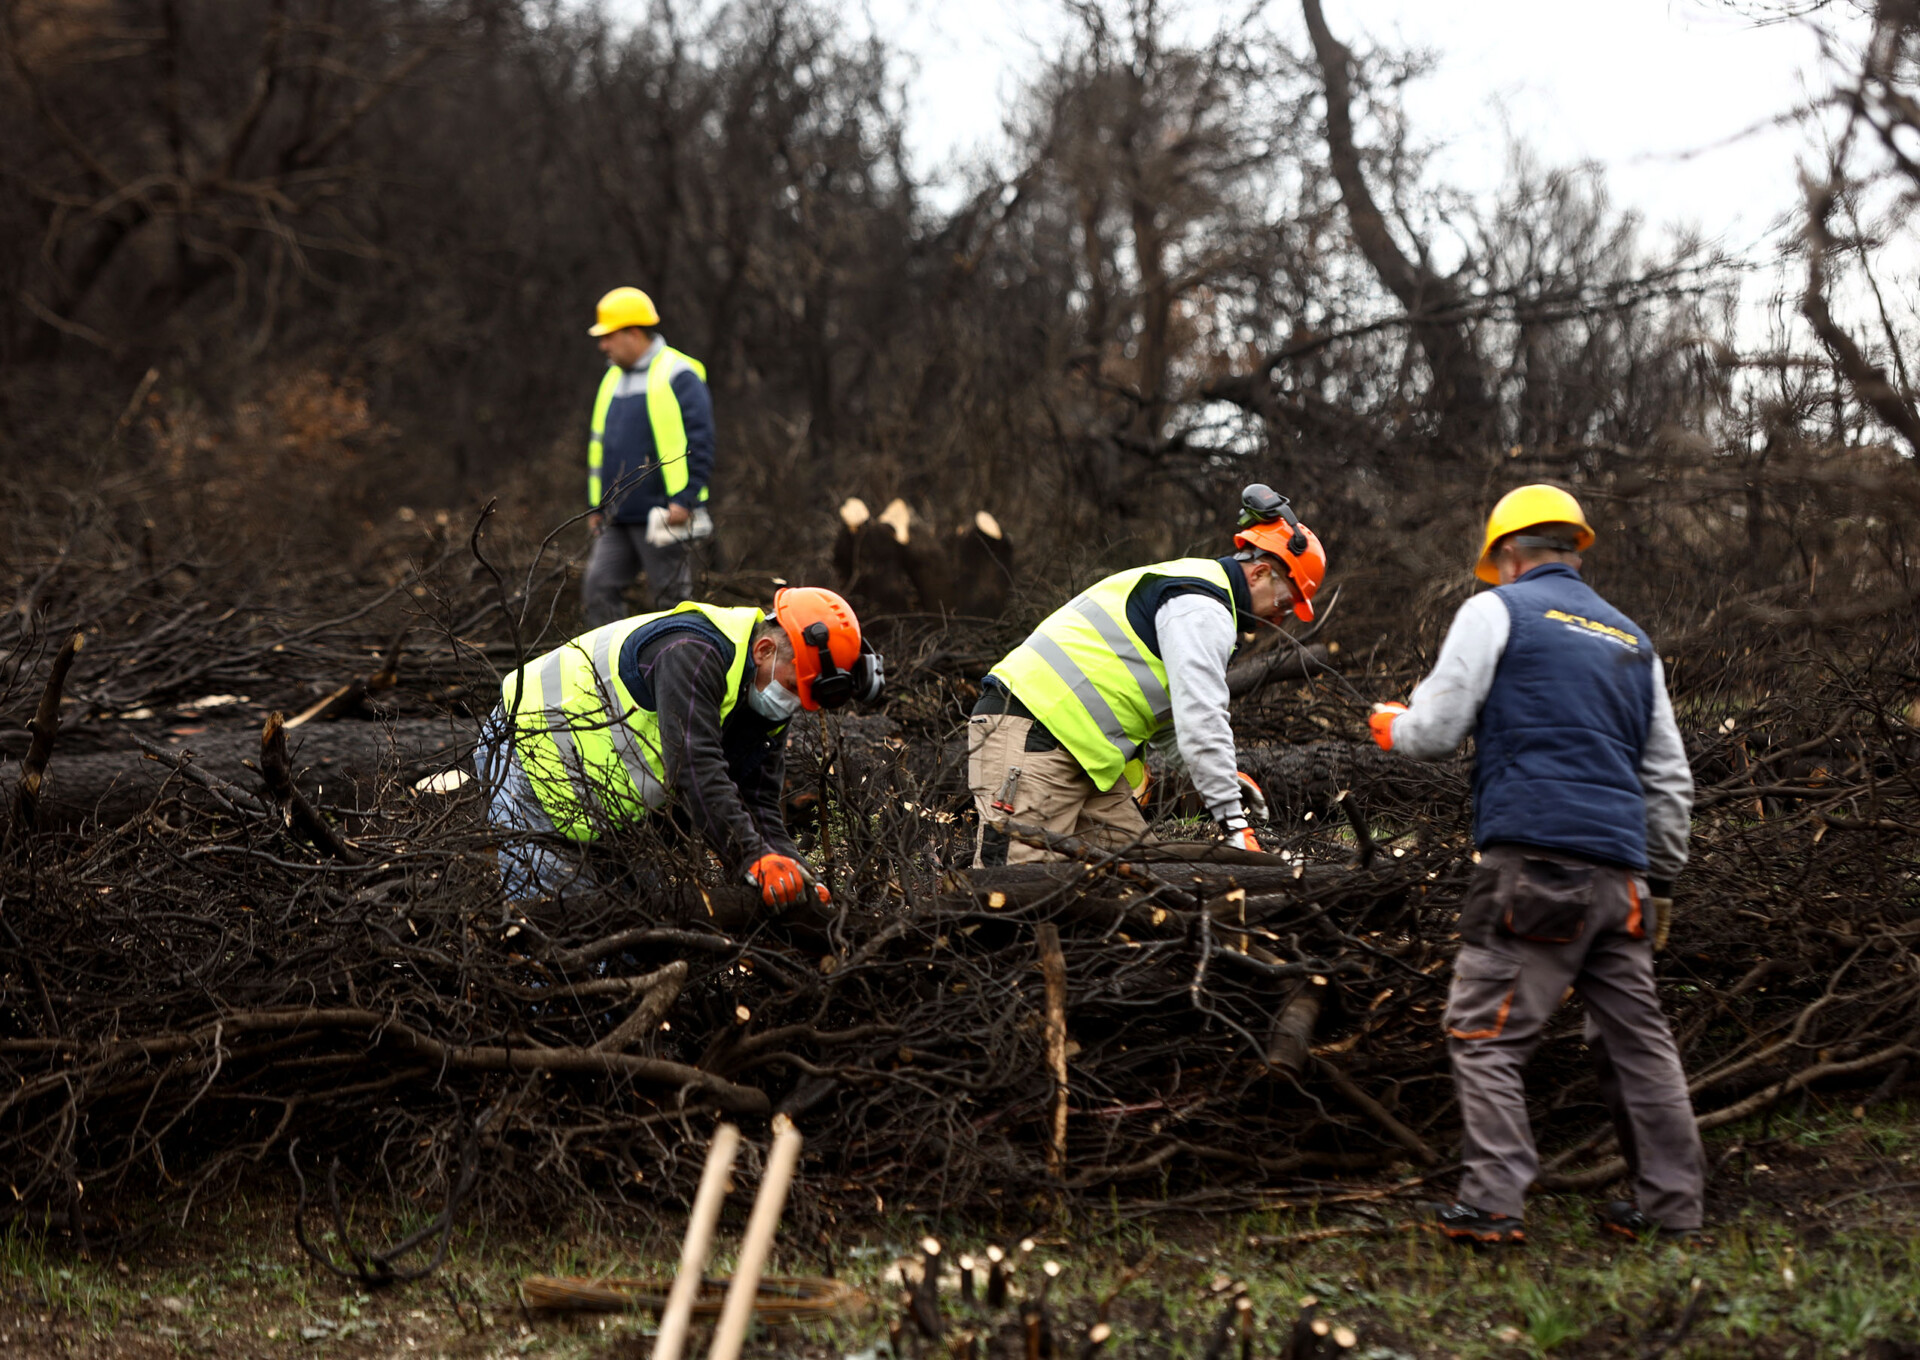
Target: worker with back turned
(1581, 804)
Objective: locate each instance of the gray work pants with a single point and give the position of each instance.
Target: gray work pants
(620, 552)
(530, 863)
(1533, 924)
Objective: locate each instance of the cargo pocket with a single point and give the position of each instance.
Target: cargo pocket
(1481, 998)
(1544, 901)
(1479, 909)
(1040, 739)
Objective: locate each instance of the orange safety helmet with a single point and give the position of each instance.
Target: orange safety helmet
(827, 651)
(1267, 522)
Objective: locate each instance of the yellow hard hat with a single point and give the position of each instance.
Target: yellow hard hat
(1523, 508)
(624, 307)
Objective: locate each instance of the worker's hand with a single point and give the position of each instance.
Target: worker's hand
(1143, 790)
(819, 888)
(678, 514)
(1382, 723)
(593, 522)
(1239, 835)
(783, 880)
(1252, 797)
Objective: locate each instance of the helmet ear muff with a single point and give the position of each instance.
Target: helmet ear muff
(1261, 504)
(869, 674)
(830, 686)
(821, 628)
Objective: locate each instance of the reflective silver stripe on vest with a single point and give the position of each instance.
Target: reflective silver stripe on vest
(626, 742)
(1092, 699)
(1159, 703)
(560, 728)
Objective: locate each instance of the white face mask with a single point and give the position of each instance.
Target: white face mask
(776, 702)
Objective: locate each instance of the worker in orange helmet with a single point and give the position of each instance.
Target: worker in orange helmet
(1057, 739)
(683, 712)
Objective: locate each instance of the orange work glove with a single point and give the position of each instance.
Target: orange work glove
(783, 880)
(1240, 838)
(1382, 723)
(1252, 797)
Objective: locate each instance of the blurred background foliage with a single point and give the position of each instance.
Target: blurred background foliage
(271, 272)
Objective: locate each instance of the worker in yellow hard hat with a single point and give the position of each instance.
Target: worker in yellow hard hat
(1581, 802)
(649, 461)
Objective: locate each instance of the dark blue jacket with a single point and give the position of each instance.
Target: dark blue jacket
(1558, 746)
(727, 777)
(628, 452)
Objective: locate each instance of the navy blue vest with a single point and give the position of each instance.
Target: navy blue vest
(1145, 599)
(1557, 749)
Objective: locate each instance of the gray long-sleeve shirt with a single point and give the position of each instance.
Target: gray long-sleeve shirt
(1446, 705)
(1196, 642)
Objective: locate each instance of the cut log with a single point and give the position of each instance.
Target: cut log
(331, 760)
(1023, 884)
(1290, 1045)
(1277, 663)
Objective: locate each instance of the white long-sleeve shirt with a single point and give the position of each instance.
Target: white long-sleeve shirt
(1196, 642)
(1446, 706)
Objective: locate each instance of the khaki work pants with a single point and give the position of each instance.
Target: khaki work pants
(1052, 792)
(1533, 924)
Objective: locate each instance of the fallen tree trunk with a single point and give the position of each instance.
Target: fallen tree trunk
(333, 760)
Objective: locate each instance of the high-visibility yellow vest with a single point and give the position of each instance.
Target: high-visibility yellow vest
(1090, 679)
(590, 750)
(663, 415)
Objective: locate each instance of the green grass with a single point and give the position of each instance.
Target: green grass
(1784, 1278)
(1567, 1287)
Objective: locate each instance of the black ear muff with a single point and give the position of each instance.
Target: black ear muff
(832, 687)
(869, 675)
(1261, 504)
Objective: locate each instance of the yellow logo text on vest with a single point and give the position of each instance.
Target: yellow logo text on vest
(1580, 624)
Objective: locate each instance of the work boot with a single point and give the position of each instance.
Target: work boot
(1464, 1223)
(1622, 1218)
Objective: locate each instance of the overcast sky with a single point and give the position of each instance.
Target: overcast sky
(1660, 92)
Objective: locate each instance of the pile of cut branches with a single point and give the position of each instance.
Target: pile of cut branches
(305, 956)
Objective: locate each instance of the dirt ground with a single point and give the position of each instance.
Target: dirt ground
(1814, 1254)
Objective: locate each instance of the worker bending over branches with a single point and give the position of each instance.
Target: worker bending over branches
(1581, 801)
(683, 712)
(1057, 738)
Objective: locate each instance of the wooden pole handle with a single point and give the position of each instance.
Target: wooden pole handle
(768, 1205)
(678, 1314)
